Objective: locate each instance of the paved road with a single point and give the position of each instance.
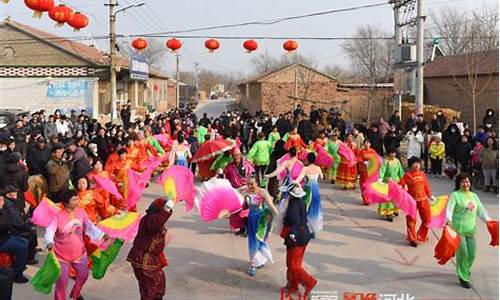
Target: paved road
(213, 108)
(356, 252)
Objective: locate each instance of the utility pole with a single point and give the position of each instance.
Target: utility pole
(419, 84)
(177, 78)
(196, 82)
(398, 72)
(112, 48)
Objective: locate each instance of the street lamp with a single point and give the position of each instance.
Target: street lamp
(112, 44)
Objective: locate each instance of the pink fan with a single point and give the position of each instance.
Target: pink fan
(108, 185)
(296, 169)
(44, 212)
(153, 162)
(347, 153)
(178, 184)
(217, 198)
(323, 159)
(164, 140)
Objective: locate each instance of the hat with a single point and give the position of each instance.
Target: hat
(9, 189)
(156, 206)
(295, 190)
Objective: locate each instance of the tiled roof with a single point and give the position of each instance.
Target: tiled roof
(486, 62)
(86, 52)
(271, 73)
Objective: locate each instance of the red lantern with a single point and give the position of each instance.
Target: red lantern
(250, 45)
(174, 44)
(290, 45)
(78, 21)
(39, 6)
(140, 44)
(61, 14)
(212, 45)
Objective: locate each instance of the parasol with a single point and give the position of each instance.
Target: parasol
(211, 149)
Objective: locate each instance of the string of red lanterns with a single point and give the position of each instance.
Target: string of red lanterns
(39, 6)
(61, 14)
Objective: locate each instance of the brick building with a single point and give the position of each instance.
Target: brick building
(280, 90)
(446, 83)
(40, 70)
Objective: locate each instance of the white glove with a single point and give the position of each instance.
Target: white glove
(170, 204)
(365, 162)
(432, 198)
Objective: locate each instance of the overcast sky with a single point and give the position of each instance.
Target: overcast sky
(162, 15)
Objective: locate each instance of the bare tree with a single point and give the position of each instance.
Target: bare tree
(370, 57)
(338, 72)
(264, 62)
(457, 27)
(156, 52)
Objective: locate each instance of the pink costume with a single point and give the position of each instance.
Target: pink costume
(65, 231)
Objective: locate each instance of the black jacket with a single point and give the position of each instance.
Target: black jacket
(376, 141)
(392, 141)
(37, 159)
(296, 220)
(451, 138)
(463, 152)
(6, 222)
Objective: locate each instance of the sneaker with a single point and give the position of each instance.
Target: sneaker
(252, 271)
(389, 218)
(21, 279)
(465, 284)
(413, 244)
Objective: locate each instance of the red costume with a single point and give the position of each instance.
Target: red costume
(146, 256)
(347, 172)
(294, 140)
(363, 156)
(418, 188)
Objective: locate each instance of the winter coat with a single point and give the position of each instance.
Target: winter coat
(58, 175)
(489, 158)
(37, 159)
(451, 138)
(49, 129)
(415, 142)
(260, 152)
(463, 152)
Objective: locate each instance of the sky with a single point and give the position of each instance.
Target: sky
(162, 15)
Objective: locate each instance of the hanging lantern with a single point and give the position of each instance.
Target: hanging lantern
(212, 45)
(78, 21)
(250, 45)
(61, 14)
(140, 44)
(290, 45)
(174, 44)
(39, 6)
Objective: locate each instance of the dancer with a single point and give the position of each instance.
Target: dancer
(95, 205)
(391, 169)
(292, 168)
(364, 155)
(463, 208)
(293, 139)
(146, 256)
(296, 234)
(258, 224)
(238, 171)
(418, 187)
(64, 236)
(311, 173)
(347, 171)
(180, 152)
(332, 147)
(259, 155)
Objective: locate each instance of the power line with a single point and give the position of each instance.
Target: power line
(273, 21)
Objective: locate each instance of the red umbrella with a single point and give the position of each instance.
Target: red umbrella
(211, 149)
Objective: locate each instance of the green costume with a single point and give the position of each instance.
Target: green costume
(202, 131)
(260, 153)
(390, 169)
(463, 208)
(273, 137)
(332, 147)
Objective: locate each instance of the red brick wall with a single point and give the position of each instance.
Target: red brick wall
(446, 92)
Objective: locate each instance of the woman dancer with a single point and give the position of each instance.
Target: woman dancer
(463, 209)
(311, 173)
(347, 171)
(180, 152)
(260, 215)
(64, 236)
(391, 169)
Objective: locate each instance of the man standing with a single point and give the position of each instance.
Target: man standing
(21, 134)
(125, 114)
(59, 171)
(37, 157)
